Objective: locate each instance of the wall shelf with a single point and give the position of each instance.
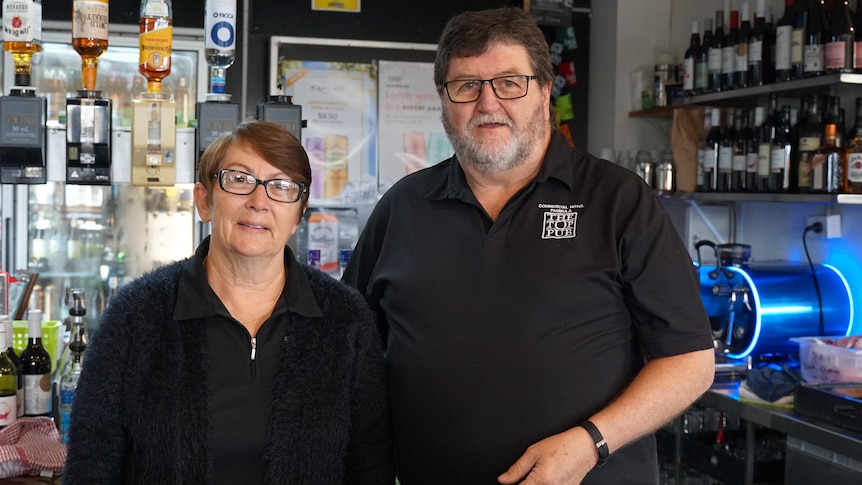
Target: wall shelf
(788, 88)
(744, 197)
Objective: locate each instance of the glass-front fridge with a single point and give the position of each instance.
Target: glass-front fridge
(97, 237)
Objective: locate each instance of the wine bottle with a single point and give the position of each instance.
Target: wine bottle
(815, 33)
(833, 115)
(89, 36)
(220, 48)
(8, 383)
(22, 35)
(711, 148)
(7, 324)
(701, 67)
(728, 51)
(857, 49)
(780, 154)
(156, 27)
(690, 61)
(764, 147)
(759, 49)
(752, 149)
(797, 40)
(725, 155)
(827, 164)
(839, 54)
(701, 149)
(716, 49)
(740, 151)
(740, 68)
(809, 142)
(784, 41)
(36, 363)
(853, 181)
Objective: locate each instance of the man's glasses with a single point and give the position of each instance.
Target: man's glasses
(505, 87)
(241, 183)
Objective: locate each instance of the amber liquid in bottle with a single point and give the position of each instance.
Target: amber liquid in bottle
(155, 66)
(89, 37)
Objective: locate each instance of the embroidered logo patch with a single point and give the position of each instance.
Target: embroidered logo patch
(559, 225)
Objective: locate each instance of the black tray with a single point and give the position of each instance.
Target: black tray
(839, 403)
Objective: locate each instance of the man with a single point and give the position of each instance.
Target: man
(540, 310)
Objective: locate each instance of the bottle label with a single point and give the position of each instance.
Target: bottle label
(814, 58)
(90, 19)
(323, 235)
(854, 167)
(156, 9)
(778, 159)
(857, 58)
(804, 175)
(725, 159)
(688, 74)
(834, 56)
(37, 394)
(22, 21)
(8, 410)
(741, 57)
(751, 162)
(714, 62)
(763, 156)
(755, 52)
(728, 57)
(797, 47)
(782, 47)
(155, 47)
(220, 24)
(739, 163)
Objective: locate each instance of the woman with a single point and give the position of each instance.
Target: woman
(237, 365)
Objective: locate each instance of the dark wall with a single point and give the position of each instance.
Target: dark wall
(187, 13)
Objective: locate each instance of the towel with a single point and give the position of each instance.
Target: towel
(31, 446)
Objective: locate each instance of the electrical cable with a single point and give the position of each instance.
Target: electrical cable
(817, 228)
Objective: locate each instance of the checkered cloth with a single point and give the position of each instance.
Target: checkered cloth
(31, 446)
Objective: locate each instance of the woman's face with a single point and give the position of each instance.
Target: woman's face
(250, 225)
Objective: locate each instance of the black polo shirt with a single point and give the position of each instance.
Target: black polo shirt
(502, 333)
(241, 387)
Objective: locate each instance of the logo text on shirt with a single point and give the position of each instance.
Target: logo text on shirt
(559, 221)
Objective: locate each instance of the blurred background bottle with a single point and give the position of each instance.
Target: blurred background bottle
(36, 363)
(220, 43)
(7, 323)
(8, 383)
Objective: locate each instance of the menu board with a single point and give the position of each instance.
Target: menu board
(409, 129)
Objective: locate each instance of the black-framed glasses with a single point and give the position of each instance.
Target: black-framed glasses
(505, 87)
(243, 183)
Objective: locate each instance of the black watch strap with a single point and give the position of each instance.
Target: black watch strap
(601, 444)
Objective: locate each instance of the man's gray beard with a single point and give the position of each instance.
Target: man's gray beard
(479, 155)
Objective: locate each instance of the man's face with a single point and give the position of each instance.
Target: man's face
(491, 134)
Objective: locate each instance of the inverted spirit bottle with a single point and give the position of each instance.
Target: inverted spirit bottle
(220, 44)
(89, 36)
(156, 40)
(22, 35)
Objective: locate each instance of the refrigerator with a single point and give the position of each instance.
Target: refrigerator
(97, 237)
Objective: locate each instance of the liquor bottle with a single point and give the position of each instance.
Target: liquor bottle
(77, 301)
(68, 386)
(8, 384)
(156, 28)
(220, 48)
(740, 69)
(853, 181)
(701, 64)
(833, 115)
(797, 40)
(784, 41)
(839, 44)
(827, 164)
(6, 322)
(89, 36)
(815, 35)
(740, 151)
(728, 52)
(759, 49)
(701, 148)
(716, 48)
(22, 35)
(780, 154)
(711, 147)
(725, 155)
(857, 49)
(809, 142)
(690, 61)
(752, 149)
(764, 147)
(36, 363)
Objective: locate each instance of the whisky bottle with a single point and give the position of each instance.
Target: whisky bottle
(827, 165)
(853, 180)
(22, 35)
(89, 36)
(156, 27)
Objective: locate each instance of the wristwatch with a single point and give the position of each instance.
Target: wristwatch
(601, 444)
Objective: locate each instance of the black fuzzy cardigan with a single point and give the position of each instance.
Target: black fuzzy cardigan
(141, 411)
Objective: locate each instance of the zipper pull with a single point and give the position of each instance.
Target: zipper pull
(253, 347)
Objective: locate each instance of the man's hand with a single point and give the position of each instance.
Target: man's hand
(564, 458)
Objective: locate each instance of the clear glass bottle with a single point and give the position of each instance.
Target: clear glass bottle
(89, 37)
(827, 165)
(8, 383)
(22, 35)
(37, 367)
(156, 39)
(220, 43)
(68, 386)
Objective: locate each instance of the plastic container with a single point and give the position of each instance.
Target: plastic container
(51, 338)
(823, 362)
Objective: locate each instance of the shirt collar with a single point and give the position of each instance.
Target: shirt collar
(196, 299)
(557, 164)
